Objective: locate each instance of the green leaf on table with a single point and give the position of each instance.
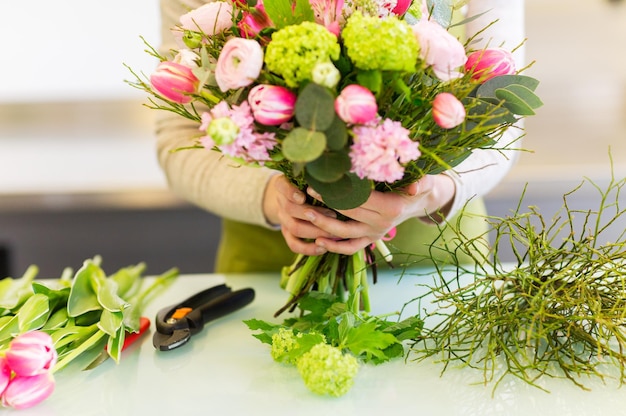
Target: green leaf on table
(367, 341)
(409, 328)
(348, 192)
(34, 313)
(302, 145)
(265, 327)
(329, 167)
(83, 297)
(315, 107)
(115, 344)
(128, 279)
(111, 322)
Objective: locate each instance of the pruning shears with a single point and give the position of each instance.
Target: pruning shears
(176, 324)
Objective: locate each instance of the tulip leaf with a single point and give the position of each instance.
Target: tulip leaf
(108, 297)
(336, 134)
(110, 322)
(34, 313)
(9, 329)
(514, 102)
(315, 107)
(82, 297)
(115, 344)
(302, 145)
(84, 346)
(57, 320)
(329, 167)
(348, 192)
(128, 279)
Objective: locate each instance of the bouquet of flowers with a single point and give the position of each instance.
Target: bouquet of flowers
(344, 96)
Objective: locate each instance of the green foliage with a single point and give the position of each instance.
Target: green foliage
(558, 312)
(83, 312)
(348, 339)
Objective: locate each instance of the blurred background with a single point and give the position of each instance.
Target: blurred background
(78, 170)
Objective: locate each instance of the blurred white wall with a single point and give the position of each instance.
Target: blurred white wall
(73, 49)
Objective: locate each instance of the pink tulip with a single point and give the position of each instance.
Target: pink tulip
(210, 19)
(174, 81)
(439, 49)
(23, 392)
(239, 63)
(5, 374)
(31, 353)
(254, 21)
(356, 105)
(401, 7)
(489, 63)
(272, 105)
(448, 111)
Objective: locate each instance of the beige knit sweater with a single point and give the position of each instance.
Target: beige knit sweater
(222, 187)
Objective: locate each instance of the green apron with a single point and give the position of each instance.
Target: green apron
(246, 248)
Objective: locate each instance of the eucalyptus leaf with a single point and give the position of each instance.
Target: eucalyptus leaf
(302, 145)
(489, 87)
(83, 297)
(315, 107)
(441, 11)
(514, 102)
(348, 192)
(336, 134)
(329, 167)
(525, 94)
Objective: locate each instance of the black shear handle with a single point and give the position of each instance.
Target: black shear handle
(222, 306)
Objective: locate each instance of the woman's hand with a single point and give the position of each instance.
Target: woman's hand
(429, 199)
(284, 205)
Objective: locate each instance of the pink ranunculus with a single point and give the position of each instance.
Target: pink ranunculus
(5, 374)
(210, 19)
(356, 105)
(486, 64)
(448, 111)
(254, 21)
(401, 7)
(239, 63)
(23, 392)
(272, 105)
(439, 49)
(31, 353)
(174, 81)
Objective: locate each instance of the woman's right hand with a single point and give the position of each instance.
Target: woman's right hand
(285, 205)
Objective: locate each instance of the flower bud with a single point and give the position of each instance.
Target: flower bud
(192, 40)
(24, 392)
(174, 82)
(254, 21)
(31, 353)
(486, 64)
(223, 131)
(271, 105)
(356, 105)
(401, 7)
(448, 111)
(5, 374)
(326, 74)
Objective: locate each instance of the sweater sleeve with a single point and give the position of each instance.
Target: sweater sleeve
(484, 169)
(204, 177)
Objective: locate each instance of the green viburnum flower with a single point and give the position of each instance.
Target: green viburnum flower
(295, 50)
(326, 370)
(380, 44)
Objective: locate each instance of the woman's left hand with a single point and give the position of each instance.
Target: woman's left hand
(429, 199)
